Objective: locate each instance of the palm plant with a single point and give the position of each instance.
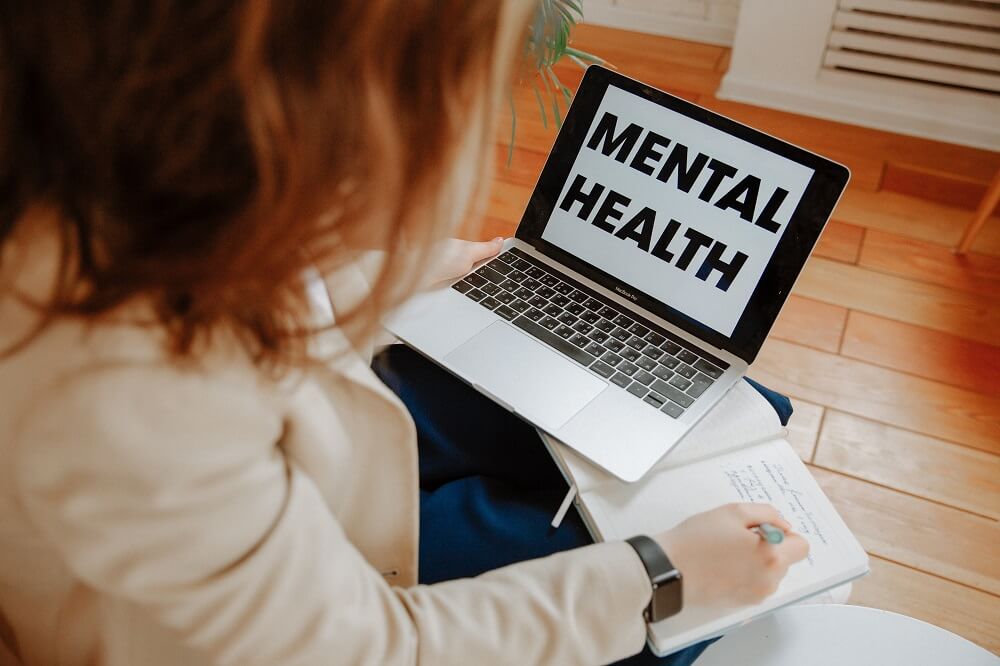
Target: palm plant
(548, 43)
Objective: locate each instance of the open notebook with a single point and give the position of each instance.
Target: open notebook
(737, 453)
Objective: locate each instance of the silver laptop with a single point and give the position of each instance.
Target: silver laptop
(657, 249)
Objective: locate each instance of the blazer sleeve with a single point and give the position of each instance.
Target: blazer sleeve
(186, 506)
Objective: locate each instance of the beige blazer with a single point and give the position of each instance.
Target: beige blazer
(152, 513)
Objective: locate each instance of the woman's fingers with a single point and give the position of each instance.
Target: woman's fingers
(755, 514)
(478, 251)
(793, 548)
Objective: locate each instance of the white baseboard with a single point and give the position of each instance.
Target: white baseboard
(680, 27)
(919, 118)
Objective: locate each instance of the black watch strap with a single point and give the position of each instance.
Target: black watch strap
(667, 596)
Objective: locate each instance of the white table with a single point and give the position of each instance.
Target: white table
(835, 635)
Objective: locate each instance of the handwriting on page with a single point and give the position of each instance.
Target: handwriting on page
(767, 482)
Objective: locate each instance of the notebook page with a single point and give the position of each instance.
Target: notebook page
(742, 417)
(768, 472)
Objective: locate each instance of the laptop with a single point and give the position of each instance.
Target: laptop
(655, 253)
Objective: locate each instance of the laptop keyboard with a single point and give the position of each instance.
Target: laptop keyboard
(652, 364)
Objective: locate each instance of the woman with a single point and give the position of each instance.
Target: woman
(199, 466)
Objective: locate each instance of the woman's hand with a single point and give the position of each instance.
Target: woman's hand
(724, 562)
(452, 258)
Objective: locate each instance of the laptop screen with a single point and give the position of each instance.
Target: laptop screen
(677, 209)
(699, 219)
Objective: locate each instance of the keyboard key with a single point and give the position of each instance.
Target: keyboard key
(598, 336)
(509, 285)
(516, 276)
(638, 329)
(699, 385)
(591, 317)
(611, 358)
(505, 297)
(708, 368)
(679, 382)
(554, 341)
(602, 368)
(531, 284)
(607, 313)
(672, 410)
(475, 295)
(682, 399)
(643, 378)
(490, 288)
(515, 251)
(653, 352)
(537, 302)
(462, 287)
(621, 334)
(646, 363)
(663, 373)
(614, 345)
(654, 399)
(552, 310)
(580, 341)
(582, 327)
(475, 280)
(534, 272)
(686, 370)
(518, 305)
(670, 347)
(593, 304)
(559, 300)
(637, 389)
(594, 348)
(563, 288)
(630, 354)
(578, 296)
(605, 325)
(574, 308)
(545, 292)
(523, 293)
(507, 257)
(490, 274)
(627, 368)
(520, 264)
(687, 356)
(622, 321)
(501, 267)
(637, 343)
(654, 338)
(621, 380)
(669, 361)
(564, 332)
(549, 280)
(549, 323)
(567, 318)
(534, 314)
(489, 302)
(506, 312)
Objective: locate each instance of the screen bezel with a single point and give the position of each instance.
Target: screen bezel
(804, 227)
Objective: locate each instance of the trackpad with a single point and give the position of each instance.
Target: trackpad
(542, 386)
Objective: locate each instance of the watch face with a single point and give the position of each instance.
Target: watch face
(668, 599)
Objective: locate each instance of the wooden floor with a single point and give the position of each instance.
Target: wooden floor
(889, 345)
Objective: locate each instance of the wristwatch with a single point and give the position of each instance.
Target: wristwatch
(668, 598)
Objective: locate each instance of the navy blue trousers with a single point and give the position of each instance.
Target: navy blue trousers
(488, 487)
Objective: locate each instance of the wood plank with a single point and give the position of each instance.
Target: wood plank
(929, 305)
(920, 351)
(810, 323)
(912, 403)
(941, 471)
(970, 613)
(914, 218)
(804, 428)
(625, 48)
(937, 539)
(933, 185)
(927, 262)
(840, 241)
(507, 201)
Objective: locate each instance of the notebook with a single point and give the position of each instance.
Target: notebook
(737, 453)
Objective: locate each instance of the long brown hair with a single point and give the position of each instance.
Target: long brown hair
(202, 154)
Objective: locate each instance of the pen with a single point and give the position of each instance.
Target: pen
(770, 533)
